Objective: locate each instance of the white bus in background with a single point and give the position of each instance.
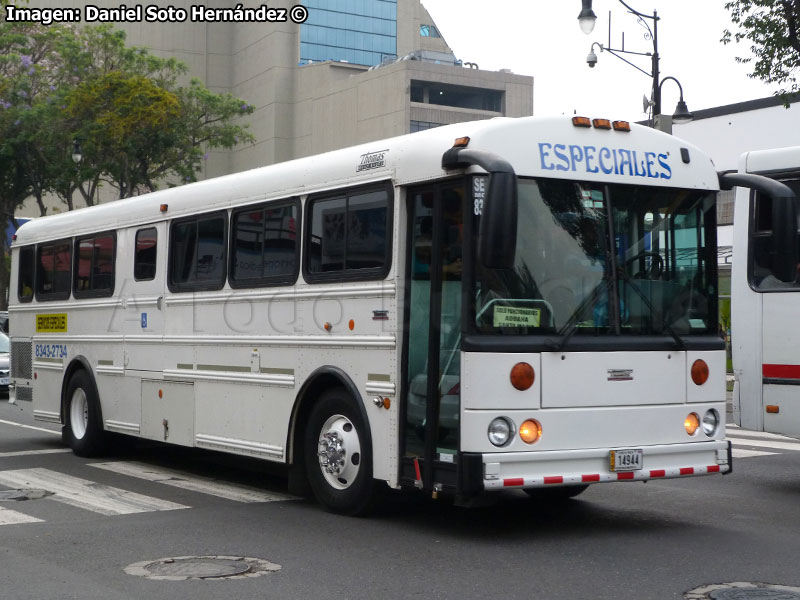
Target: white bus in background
(765, 298)
(508, 304)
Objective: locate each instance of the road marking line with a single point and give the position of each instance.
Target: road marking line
(742, 453)
(770, 444)
(742, 433)
(12, 517)
(204, 485)
(85, 494)
(34, 452)
(30, 427)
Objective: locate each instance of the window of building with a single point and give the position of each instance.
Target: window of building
(197, 253)
(429, 31)
(457, 96)
(93, 274)
(349, 236)
(762, 243)
(265, 248)
(144, 258)
(53, 272)
(354, 31)
(26, 270)
(423, 125)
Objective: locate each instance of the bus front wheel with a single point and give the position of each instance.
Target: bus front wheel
(82, 430)
(337, 451)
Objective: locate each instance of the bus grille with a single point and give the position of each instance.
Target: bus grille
(21, 360)
(23, 394)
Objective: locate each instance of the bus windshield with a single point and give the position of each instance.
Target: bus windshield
(596, 259)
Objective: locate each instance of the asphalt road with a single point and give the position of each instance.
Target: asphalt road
(616, 541)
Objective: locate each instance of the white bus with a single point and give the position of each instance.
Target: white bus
(508, 304)
(764, 298)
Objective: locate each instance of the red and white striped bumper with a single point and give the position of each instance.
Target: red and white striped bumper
(576, 467)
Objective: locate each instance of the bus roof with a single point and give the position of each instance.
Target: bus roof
(536, 147)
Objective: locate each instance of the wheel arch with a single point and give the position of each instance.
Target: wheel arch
(323, 378)
(79, 363)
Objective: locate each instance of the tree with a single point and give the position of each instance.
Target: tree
(771, 27)
(137, 126)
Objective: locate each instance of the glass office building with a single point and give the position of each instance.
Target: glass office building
(362, 32)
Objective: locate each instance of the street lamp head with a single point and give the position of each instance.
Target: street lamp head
(587, 18)
(76, 152)
(682, 114)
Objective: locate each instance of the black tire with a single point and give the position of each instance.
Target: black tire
(83, 430)
(555, 494)
(341, 478)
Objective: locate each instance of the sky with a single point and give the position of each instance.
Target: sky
(543, 39)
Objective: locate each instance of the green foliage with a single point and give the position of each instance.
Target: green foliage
(771, 27)
(135, 123)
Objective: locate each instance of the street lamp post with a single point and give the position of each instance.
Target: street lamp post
(587, 20)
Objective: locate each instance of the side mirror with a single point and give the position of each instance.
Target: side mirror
(497, 237)
(784, 219)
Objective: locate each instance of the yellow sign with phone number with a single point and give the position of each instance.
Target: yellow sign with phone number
(52, 323)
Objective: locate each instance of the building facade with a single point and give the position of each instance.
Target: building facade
(354, 71)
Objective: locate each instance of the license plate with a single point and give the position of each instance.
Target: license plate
(3, 380)
(625, 460)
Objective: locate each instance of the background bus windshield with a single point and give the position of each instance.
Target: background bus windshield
(585, 248)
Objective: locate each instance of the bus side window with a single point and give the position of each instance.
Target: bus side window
(761, 240)
(197, 253)
(349, 236)
(264, 246)
(53, 272)
(144, 259)
(26, 270)
(94, 266)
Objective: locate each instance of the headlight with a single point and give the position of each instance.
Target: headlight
(710, 422)
(500, 431)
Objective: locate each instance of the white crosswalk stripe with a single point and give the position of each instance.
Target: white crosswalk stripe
(85, 494)
(744, 442)
(12, 517)
(204, 485)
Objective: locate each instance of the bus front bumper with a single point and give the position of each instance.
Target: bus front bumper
(581, 467)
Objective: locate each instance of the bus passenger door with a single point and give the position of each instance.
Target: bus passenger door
(433, 335)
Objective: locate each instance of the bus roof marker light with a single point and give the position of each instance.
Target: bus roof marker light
(581, 122)
(163, 207)
(461, 142)
(621, 126)
(601, 123)
(773, 409)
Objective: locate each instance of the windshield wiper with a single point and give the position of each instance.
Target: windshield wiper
(571, 326)
(629, 280)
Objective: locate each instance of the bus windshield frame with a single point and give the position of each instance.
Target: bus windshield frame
(596, 260)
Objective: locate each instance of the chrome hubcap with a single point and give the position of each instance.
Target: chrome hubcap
(339, 452)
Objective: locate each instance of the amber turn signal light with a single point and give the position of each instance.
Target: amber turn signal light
(691, 423)
(699, 372)
(522, 376)
(530, 431)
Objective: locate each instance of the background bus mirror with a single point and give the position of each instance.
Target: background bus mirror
(497, 237)
(784, 229)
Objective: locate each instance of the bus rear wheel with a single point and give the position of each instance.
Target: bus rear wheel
(338, 459)
(82, 430)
